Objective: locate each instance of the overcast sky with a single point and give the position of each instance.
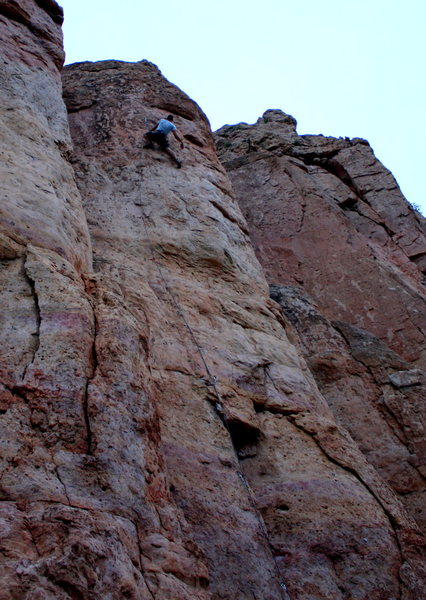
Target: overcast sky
(340, 67)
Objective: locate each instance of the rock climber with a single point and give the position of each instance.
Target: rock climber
(159, 136)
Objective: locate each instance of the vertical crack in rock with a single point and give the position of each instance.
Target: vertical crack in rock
(90, 286)
(389, 416)
(86, 407)
(392, 420)
(302, 193)
(38, 319)
(138, 539)
(302, 218)
(265, 534)
(141, 554)
(237, 433)
(30, 531)
(228, 215)
(86, 418)
(58, 475)
(243, 437)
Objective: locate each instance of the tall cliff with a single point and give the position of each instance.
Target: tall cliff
(337, 225)
(162, 434)
(345, 256)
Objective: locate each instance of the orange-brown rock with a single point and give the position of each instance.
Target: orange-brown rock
(40, 202)
(161, 437)
(324, 214)
(376, 395)
(69, 524)
(172, 253)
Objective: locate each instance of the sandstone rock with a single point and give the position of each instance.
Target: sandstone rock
(173, 258)
(372, 393)
(161, 436)
(48, 548)
(324, 214)
(40, 202)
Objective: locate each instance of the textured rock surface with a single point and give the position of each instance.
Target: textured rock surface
(40, 202)
(171, 251)
(118, 476)
(374, 394)
(324, 214)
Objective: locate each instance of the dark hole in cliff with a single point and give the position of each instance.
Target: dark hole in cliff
(70, 589)
(245, 438)
(349, 204)
(283, 508)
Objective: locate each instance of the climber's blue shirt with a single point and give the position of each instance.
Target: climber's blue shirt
(165, 126)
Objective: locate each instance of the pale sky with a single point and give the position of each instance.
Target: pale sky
(351, 68)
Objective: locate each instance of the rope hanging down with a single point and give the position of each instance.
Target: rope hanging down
(211, 382)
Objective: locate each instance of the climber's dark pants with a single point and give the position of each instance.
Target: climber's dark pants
(159, 138)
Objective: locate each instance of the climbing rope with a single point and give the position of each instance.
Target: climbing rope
(211, 382)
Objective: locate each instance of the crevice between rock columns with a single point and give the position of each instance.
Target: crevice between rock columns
(86, 407)
(32, 285)
(89, 285)
(292, 416)
(141, 555)
(58, 475)
(394, 424)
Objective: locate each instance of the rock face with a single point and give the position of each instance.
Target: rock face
(40, 205)
(344, 254)
(376, 395)
(324, 214)
(172, 254)
(162, 437)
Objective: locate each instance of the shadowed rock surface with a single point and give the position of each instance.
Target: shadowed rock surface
(162, 437)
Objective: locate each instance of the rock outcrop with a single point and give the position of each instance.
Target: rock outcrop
(376, 395)
(41, 204)
(344, 253)
(162, 437)
(176, 278)
(324, 214)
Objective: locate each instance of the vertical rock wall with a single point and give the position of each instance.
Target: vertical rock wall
(325, 215)
(376, 395)
(40, 203)
(71, 526)
(344, 253)
(161, 437)
(171, 251)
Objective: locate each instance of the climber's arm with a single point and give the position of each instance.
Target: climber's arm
(177, 136)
